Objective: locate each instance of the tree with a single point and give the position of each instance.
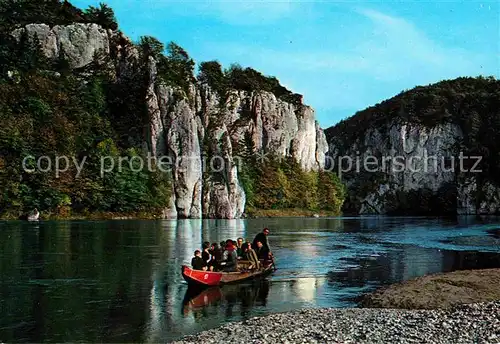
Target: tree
(30, 55)
(176, 68)
(151, 47)
(102, 15)
(211, 74)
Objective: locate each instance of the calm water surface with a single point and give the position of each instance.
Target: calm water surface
(120, 281)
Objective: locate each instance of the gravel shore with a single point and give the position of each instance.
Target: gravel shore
(473, 323)
(441, 290)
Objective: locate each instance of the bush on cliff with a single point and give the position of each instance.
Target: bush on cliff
(102, 15)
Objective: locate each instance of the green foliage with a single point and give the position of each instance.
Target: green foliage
(280, 183)
(102, 15)
(46, 108)
(151, 47)
(424, 202)
(449, 101)
(127, 107)
(331, 191)
(473, 104)
(211, 73)
(176, 68)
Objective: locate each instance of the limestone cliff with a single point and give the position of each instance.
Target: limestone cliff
(375, 158)
(185, 125)
(417, 151)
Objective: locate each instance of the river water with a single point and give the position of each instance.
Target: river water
(120, 281)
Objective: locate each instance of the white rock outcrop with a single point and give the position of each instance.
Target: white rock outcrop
(78, 42)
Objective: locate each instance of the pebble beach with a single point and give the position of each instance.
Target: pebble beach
(472, 323)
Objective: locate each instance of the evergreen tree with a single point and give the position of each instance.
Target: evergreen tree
(102, 15)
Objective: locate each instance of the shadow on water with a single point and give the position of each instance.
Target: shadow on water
(120, 281)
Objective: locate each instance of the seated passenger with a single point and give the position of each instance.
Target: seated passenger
(251, 256)
(262, 251)
(197, 262)
(229, 257)
(205, 255)
(239, 249)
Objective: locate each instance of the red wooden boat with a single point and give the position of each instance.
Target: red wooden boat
(210, 278)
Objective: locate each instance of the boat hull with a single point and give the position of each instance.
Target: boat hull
(210, 278)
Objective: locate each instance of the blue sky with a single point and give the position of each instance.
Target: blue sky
(343, 56)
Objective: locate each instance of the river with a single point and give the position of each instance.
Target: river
(120, 281)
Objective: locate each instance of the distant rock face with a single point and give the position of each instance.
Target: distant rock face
(478, 200)
(179, 123)
(404, 158)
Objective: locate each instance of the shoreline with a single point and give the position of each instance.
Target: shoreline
(455, 307)
(253, 214)
(471, 323)
(440, 290)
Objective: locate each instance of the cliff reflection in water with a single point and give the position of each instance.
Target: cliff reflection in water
(120, 281)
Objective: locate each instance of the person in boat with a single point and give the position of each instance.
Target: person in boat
(250, 255)
(262, 237)
(239, 248)
(197, 262)
(229, 257)
(205, 255)
(216, 253)
(262, 252)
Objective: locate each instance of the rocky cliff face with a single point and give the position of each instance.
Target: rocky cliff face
(184, 126)
(179, 129)
(406, 168)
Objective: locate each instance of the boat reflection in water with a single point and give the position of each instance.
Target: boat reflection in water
(202, 301)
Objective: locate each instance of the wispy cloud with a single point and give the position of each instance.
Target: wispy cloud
(398, 49)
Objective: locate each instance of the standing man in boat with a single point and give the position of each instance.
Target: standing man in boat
(265, 247)
(262, 237)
